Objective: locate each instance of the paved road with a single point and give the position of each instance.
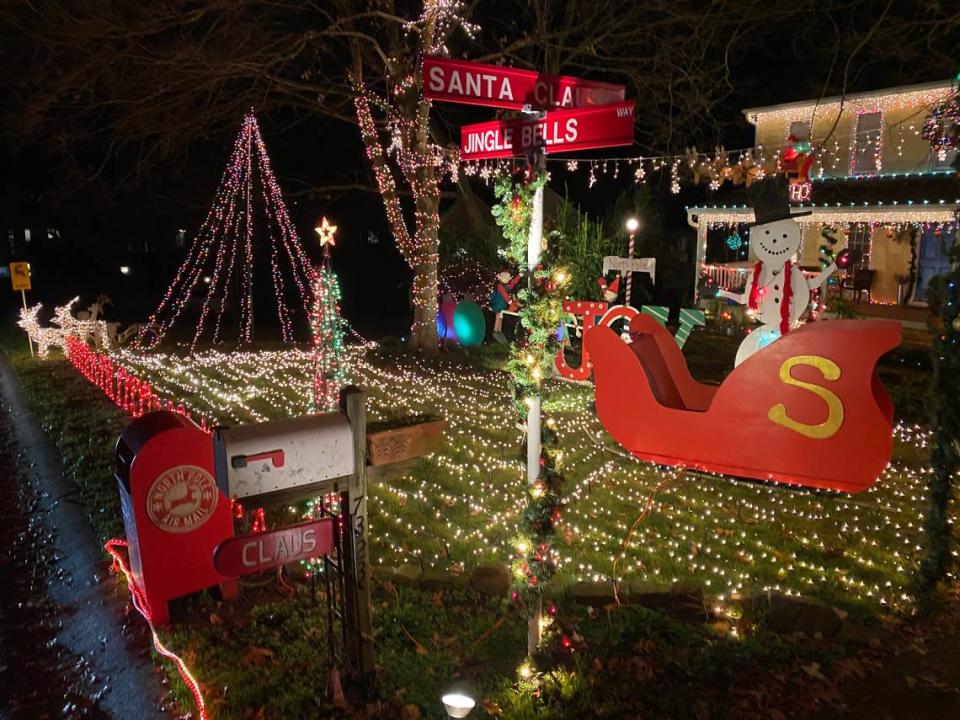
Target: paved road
(97, 662)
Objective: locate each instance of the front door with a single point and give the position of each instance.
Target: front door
(934, 258)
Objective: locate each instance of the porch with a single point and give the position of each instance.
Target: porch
(911, 316)
(894, 252)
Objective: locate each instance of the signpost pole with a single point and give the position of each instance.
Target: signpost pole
(23, 295)
(538, 163)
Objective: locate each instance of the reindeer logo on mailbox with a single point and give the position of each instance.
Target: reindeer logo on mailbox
(182, 499)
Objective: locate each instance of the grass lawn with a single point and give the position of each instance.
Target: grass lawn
(459, 508)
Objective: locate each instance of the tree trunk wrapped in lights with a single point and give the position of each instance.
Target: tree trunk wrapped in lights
(421, 164)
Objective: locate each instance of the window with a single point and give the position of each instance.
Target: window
(867, 143)
(858, 243)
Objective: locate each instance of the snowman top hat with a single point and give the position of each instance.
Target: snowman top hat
(770, 198)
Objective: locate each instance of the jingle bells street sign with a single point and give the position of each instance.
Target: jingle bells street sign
(559, 131)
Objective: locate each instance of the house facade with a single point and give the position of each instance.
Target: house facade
(862, 165)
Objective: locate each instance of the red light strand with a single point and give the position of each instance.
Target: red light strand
(139, 602)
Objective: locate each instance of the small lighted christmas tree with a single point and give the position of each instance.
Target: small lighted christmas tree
(329, 363)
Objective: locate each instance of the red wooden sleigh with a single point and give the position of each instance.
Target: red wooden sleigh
(807, 409)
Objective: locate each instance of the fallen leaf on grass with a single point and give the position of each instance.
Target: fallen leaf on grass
(848, 667)
(813, 670)
(911, 681)
(215, 619)
(257, 656)
(410, 712)
(491, 708)
(932, 682)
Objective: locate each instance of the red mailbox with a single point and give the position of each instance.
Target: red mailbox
(173, 513)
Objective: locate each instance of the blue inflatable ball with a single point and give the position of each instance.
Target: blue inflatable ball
(469, 323)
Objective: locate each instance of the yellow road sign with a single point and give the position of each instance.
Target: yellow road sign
(20, 275)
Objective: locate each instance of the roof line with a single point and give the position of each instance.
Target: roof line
(920, 87)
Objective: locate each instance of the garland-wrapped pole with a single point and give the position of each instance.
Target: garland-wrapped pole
(538, 163)
(519, 211)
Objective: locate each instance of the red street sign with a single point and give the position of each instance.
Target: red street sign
(559, 131)
(263, 551)
(476, 83)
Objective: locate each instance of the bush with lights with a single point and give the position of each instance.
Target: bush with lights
(945, 452)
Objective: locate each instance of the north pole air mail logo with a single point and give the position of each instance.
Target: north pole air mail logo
(182, 499)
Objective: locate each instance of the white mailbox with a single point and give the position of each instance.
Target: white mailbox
(283, 455)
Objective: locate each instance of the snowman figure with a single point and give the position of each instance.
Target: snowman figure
(776, 291)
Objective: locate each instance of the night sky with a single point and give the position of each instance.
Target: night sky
(108, 223)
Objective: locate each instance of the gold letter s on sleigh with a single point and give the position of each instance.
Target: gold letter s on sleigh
(830, 371)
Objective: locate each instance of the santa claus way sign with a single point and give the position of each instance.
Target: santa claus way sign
(560, 131)
(474, 83)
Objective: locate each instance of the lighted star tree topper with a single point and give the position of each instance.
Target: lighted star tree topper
(329, 360)
(248, 220)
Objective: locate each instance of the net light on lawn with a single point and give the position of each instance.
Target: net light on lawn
(457, 704)
(124, 269)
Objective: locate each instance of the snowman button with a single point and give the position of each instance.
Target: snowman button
(776, 287)
(776, 300)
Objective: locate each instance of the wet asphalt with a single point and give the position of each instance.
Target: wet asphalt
(71, 645)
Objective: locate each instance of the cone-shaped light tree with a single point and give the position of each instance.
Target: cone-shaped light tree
(329, 362)
(248, 219)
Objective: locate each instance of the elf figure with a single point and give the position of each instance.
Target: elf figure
(502, 299)
(611, 289)
(776, 290)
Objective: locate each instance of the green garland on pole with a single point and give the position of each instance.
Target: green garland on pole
(531, 362)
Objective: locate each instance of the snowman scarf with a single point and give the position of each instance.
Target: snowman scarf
(755, 290)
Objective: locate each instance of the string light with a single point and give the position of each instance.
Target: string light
(329, 369)
(223, 249)
(884, 100)
(140, 603)
(865, 546)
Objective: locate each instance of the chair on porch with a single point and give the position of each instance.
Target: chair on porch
(860, 283)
